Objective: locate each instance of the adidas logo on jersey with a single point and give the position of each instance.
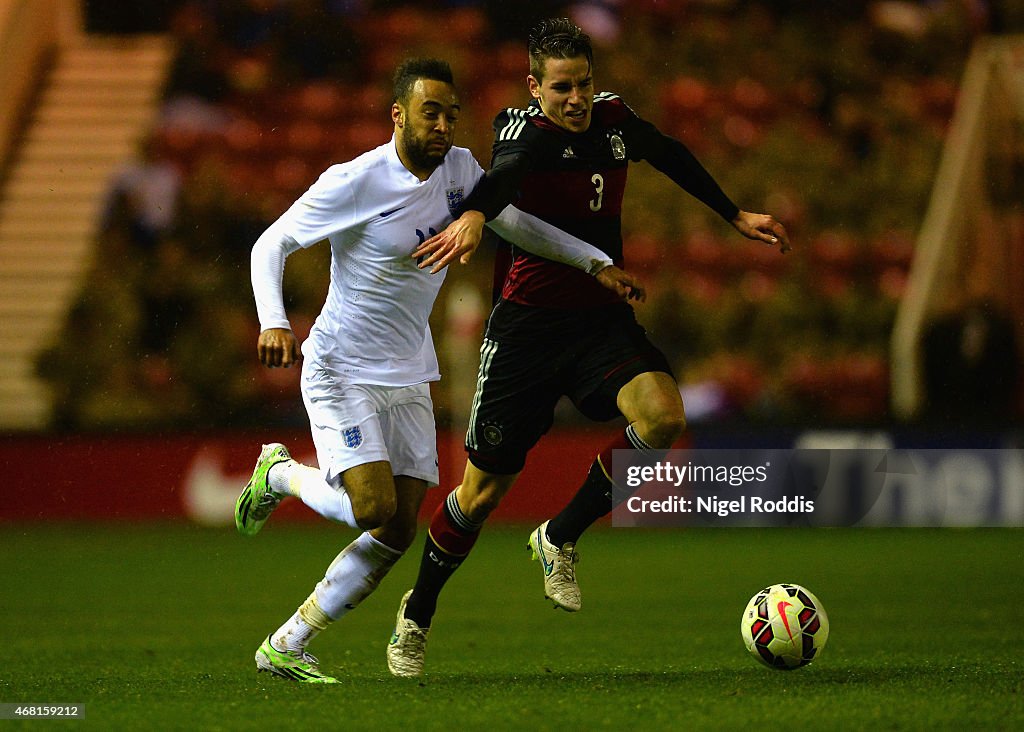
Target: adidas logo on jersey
(568, 154)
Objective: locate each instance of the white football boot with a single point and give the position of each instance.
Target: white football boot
(559, 567)
(408, 646)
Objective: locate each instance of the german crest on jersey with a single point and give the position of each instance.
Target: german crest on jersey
(455, 196)
(618, 147)
(352, 437)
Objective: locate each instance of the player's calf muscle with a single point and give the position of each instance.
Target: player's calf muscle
(480, 493)
(398, 534)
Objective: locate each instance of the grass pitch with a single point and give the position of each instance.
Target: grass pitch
(155, 627)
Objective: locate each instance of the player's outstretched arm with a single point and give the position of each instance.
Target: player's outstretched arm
(494, 191)
(674, 159)
(458, 241)
(537, 237)
(762, 227)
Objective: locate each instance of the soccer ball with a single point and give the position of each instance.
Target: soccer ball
(784, 626)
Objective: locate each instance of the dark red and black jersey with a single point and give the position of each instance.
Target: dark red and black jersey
(576, 181)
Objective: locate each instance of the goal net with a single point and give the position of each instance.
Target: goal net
(970, 248)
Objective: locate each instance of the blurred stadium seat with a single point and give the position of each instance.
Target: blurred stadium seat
(799, 133)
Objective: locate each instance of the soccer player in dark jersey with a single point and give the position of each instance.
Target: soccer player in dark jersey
(554, 332)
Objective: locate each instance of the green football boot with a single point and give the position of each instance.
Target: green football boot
(257, 501)
(292, 665)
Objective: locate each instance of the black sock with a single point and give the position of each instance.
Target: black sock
(436, 566)
(598, 495)
(450, 537)
(592, 501)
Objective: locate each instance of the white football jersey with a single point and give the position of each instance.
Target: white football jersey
(374, 327)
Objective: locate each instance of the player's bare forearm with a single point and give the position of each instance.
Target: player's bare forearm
(458, 241)
(762, 227)
(278, 347)
(622, 283)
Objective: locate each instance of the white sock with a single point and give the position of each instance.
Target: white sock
(279, 477)
(295, 479)
(352, 576)
(296, 633)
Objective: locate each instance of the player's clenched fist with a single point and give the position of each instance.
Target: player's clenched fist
(278, 347)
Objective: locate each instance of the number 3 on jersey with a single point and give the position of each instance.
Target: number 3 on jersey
(598, 180)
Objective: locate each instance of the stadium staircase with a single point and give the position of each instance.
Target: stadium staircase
(97, 101)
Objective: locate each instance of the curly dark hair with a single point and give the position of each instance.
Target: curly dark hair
(557, 38)
(413, 69)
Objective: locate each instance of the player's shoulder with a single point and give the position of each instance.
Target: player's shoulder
(512, 122)
(352, 172)
(610, 108)
(607, 97)
(460, 161)
(364, 175)
(460, 156)
(359, 165)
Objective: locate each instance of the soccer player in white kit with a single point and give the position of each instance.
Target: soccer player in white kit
(370, 357)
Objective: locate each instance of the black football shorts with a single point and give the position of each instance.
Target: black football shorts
(533, 356)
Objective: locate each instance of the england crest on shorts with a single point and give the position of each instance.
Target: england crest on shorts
(352, 437)
(455, 196)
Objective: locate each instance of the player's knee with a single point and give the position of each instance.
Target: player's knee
(663, 428)
(374, 511)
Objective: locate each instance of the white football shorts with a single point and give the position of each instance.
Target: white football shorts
(354, 424)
